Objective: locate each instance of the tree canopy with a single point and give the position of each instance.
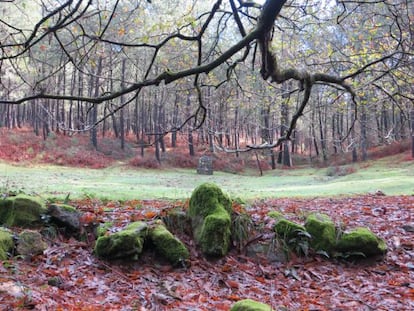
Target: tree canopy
(354, 53)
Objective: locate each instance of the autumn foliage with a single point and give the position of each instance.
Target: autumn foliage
(69, 277)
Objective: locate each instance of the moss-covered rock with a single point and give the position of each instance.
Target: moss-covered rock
(167, 245)
(22, 210)
(322, 229)
(361, 240)
(66, 217)
(287, 229)
(125, 244)
(30, 243)
(250, 305)
(210, 212)
(103, 229)
(6, 243)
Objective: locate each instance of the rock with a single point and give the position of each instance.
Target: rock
(167, 245)
(210, 211)
(30, 243)
(361, 240)
(6, 243)
(205, 165)
(408, 228)
(23, 211)
(322, 230)
(288, 230)
(125, 244)
(250, 305)
(177, 220)
(65, 216)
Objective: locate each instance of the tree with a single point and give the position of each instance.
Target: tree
(206, 45)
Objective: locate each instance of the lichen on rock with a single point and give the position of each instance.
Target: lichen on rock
(125, 244)
(323, 232)
(167, 245)
(361, 240)
(30, 243)
(250, 305)
(210, 212)
(22, 210)
(6, 243)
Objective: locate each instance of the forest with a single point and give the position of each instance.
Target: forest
(304, 107)
(324, 78)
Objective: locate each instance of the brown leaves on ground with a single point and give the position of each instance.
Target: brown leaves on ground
(69, 277)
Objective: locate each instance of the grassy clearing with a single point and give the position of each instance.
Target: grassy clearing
(391, 175)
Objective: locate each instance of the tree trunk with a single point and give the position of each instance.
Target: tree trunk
(94, 112)
(364, 138)
(121, 113)
(412, 132)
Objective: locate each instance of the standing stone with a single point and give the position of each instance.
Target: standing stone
(205, 166)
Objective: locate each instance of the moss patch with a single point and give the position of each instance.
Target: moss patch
(275, 215)
(126, 244)
(22, 210)
(288, 230)
(322, 230)
(210, 211)
(166, 244)
(6, 243)
(250, 305)
(30, 243)
(103, 229)
(361, 240)
(214, 236)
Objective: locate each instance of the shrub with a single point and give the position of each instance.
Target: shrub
(335, 171)
(144, 162)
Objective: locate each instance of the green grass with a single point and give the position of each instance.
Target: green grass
(120, 183)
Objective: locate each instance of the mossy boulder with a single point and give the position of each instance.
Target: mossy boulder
(210, 213)
(124, 244)
(250, 305)
(323, 232)
(287, 229)
(361, 240)
(30, 243)
(22, 211)
(167, 245)
(66, 217)
(6, 243)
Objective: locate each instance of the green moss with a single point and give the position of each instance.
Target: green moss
(22, 210)
(214, 235)
(288, 230)
(322, 230)
(275, 214)
(30, 243)
(250, 305)
(103, 228)
(361, 240)
(210, 211)
(127, 243)
(206, 198)
(6, 243)
(168, 245)
(67, 207)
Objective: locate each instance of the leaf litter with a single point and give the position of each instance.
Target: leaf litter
(67, 276)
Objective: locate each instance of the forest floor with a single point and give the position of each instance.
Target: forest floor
(84, 282)
(301, 283)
